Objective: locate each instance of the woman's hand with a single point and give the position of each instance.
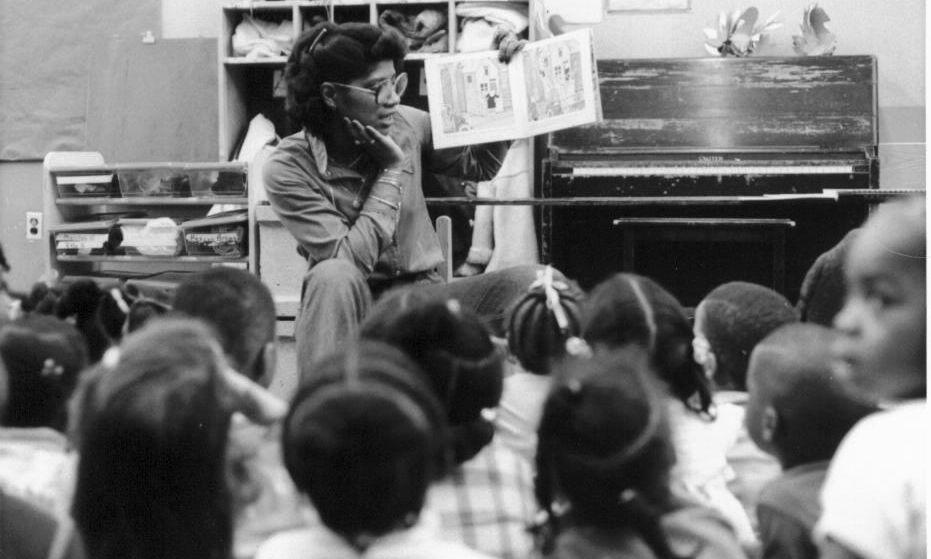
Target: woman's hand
(381, 147)
(508, 44)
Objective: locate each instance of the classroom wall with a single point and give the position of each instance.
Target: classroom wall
(893, 31)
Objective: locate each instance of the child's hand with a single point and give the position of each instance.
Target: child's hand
(508, 44)
(253, 401)
(381, 147)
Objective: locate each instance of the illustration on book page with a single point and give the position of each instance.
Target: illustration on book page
(477, 96)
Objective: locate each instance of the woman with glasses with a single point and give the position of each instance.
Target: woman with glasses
(348, 185)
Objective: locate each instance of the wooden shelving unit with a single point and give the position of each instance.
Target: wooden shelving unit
(63, 210)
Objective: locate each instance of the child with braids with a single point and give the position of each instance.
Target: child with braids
(486, 501)
(543, 327)
(631, 310)
(604, 462)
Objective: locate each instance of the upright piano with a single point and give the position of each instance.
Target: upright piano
(710, 170)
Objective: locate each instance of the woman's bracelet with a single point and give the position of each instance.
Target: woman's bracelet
(391, 176)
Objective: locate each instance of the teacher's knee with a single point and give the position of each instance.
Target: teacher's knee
(336, 277)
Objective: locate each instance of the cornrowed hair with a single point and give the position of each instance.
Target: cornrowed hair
(364, 440)
(604, 445)
(464, 367)
(632, 309)
(542, 321)
(331, 52)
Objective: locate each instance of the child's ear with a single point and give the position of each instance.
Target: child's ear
(770, 424)
(328, 93)
(710, 364)
(269, 363)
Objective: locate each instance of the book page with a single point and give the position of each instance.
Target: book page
(474, 98)
(472, 101)
(560, 81)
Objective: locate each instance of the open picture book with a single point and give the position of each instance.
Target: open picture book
(549, 85)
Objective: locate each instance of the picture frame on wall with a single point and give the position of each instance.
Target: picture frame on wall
(648, 5)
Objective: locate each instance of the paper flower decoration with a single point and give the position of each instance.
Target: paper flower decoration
(737, 33)
(815, 39)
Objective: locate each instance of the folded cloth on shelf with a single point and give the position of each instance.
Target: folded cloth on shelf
(508, 14)
(257, 38)
(422, 31)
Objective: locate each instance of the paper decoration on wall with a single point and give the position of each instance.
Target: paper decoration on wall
(815, 38)
(737, 33)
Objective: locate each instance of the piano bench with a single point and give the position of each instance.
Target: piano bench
(707, 230)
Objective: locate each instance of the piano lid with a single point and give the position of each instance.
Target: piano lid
(793, 105)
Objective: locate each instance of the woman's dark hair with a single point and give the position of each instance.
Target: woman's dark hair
(463, 366)
(632, 309)
(43, 356)
(534, 334)
(604, 445)
(151, 481)
(331, 52)
(363, 440)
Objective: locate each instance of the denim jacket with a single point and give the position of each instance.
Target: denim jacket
(338, 211)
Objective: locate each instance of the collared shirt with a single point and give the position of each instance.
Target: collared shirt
(337, 211)
(318, 542)
(487, 503)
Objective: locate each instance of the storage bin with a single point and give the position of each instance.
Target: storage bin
(84, 239)
(219, 179)
(151, 237)
(219, 235)
(154, 181)
(89, 183)
(183, 179)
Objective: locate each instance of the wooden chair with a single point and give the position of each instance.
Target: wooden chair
(444, 232)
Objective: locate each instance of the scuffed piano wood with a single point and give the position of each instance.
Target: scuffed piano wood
(800, 103)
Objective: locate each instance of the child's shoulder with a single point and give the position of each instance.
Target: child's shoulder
(795, 492)
(887, 428)
(701, 532)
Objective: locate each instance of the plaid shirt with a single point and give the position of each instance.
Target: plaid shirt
(487, 503)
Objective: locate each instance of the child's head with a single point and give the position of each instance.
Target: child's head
(152, 478)
(43, 356)
(882, 348)
(798, 409)
(604, 445)
(355, 54)
(632, 309)
(362, 440)
(241, 310)
(729, 321)
(462, 364)
(541, 322)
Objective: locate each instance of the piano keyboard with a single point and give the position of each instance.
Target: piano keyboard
(711, 171)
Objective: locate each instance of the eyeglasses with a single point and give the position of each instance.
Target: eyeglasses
(382, 90)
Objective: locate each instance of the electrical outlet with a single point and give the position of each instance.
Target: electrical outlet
(33, 225)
